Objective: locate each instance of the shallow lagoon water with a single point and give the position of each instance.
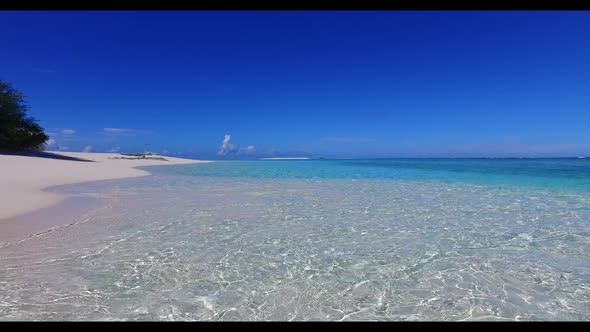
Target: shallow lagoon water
(316, 240)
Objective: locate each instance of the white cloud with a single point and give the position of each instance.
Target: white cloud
(226, 146)
(249, 150)
(115, 149)
(63, 148)
(124, 131)
(165, 151)
(116, 130)
(68, 131)
(50, 144)
(87, 148)
(40, 70)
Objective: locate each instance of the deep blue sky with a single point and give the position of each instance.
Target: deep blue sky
(332, 84)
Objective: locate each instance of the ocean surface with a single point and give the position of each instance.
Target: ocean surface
(388, 239)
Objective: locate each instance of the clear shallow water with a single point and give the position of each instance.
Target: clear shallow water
(235, 243)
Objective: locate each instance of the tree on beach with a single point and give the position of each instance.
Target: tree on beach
(17, 130)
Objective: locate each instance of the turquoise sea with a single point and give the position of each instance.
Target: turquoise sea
(557, 173)
(380, 239)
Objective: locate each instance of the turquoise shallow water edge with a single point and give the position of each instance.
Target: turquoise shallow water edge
(552, 173)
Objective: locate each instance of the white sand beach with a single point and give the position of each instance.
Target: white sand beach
(23, 178)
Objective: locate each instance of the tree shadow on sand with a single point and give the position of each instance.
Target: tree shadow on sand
(42, 154)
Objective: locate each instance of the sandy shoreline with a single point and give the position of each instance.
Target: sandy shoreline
(23, 178)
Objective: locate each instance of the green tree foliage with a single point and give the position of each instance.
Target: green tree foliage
(17, 130)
